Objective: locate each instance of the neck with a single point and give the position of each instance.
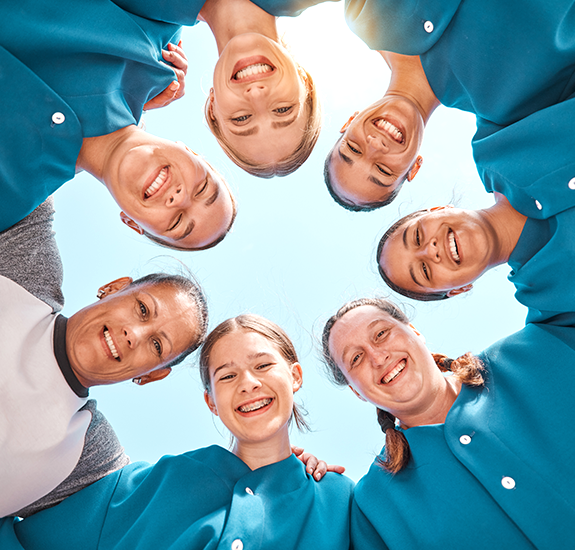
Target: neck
(507, 225)
(230, 18)
(96, 151)
(259, 454)
(435, 410)
(408, 80)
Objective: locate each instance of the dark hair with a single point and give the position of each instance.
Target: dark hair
(253, 323)
(163, 243)
(296, 158)
(348, 205)
(467, 369)
(192, 289)
(421, 296)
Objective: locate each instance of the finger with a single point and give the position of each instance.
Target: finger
(164, 98)
(320, 470)
(335, 468)
(176, 56)
(310, 462)
(181, 88)
(297, 450)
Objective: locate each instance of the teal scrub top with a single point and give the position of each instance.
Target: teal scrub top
(501, 60)
(499, 472)
(204, 499)
(69, 70)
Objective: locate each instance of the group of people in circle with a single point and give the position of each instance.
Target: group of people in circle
(477, 449)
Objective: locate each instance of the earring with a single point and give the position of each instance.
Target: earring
(137, 380)
(101, 294)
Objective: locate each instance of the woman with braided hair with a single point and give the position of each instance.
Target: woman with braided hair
(473, 459)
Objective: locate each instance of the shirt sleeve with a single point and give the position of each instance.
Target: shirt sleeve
(102, 455)
(29, 256)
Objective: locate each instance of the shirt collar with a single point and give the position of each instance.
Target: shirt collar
(62, 357)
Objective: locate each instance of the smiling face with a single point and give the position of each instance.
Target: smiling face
(444, 249)
(384, 360)
(131, 331)
(259, 99)
(252, 387)
(169, 191)
(377, 150)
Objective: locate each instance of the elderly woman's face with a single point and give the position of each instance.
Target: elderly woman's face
(131, 331)
(169, 191)
(252, 387)
(259, 99)
(376, 151)
(445, 249)
(383, 359)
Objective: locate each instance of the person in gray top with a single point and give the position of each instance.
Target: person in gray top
(53, 440)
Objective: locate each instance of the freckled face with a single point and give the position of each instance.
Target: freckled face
(130, 333)
(377, 150)
(383, 359)
(259, 98)
(169, 191)
(252, 386)
(439, 251)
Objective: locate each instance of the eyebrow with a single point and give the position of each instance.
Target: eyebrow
(249, 132)
(369, 326)
(411, 272)
(161, 333)
(284, 123)
(345, 159)
(214, 196)
(370, 178)
(188, 230)
(251, 356)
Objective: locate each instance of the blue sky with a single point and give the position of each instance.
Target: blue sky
(293, 256)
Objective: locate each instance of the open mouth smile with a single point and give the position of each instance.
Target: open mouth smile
(453, 249)
(157, 184)
(111, 345)
(394, 373)
(250, 70)
(255, 405)
(390, 129)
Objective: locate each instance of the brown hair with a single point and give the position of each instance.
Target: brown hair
(253, 323)
(421, 296)
(467, 369)
(296, 158)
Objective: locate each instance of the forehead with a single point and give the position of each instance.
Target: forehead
(352, 179)
(355, 324)
(239, 345)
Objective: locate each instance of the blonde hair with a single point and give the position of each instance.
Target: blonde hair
(294, 160)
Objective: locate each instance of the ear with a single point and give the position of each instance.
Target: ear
(113, 287)
(210, 402)
(415, 168)
(346, 125)
(417, 332)
(460, 290)
(211, 105)
(356, 393)
(126, 220)
(438, 208)
(297, 376)
(155, 375)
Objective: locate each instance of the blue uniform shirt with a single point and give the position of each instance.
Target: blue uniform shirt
(204, 499)
(498, 473)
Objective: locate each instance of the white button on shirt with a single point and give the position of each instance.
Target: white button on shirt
(58, 118)
(237, 545)
(465, 440)
(249, 491)
(428, 26)
(538, 205)
(571, 184)
(508, 482)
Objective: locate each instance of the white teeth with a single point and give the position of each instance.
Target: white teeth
(453, 247)
(111, 345)
(255, 406)
(156, 183)
(257, 68)
(389, 128)
(394, 373)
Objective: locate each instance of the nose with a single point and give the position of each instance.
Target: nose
(134, 335)
(256, 90)
(379, 357)
(177, 197)
(249, 382)
(377, 143)
(430, 251)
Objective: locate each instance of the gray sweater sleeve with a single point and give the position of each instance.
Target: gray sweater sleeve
(101, 456)
(29, 256)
